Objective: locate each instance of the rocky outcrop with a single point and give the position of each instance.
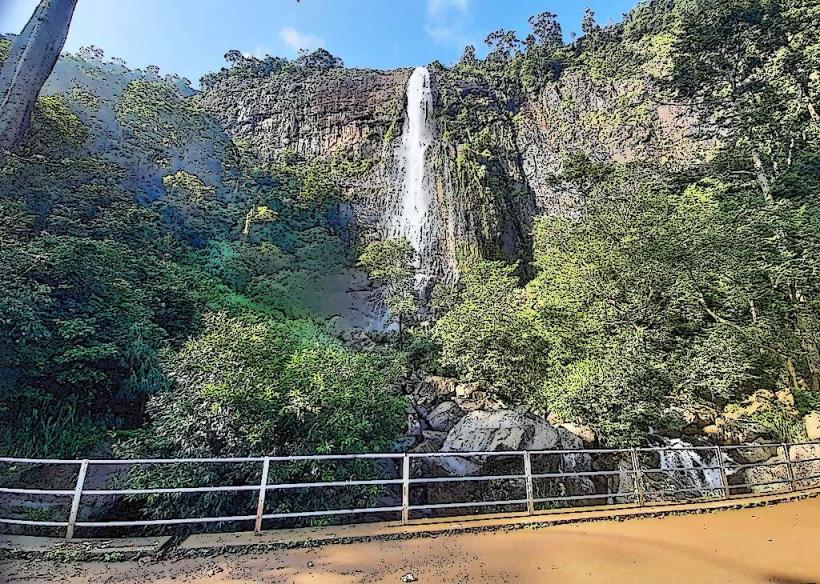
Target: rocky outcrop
(604, 120)
(500, 430)
(805, 466)
(313, 112)
(444, 416)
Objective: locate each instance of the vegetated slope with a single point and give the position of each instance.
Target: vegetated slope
(131, 224)
(656, 180)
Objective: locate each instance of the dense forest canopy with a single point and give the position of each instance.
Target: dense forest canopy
(156, 275)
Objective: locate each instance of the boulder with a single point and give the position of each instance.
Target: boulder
(812, 423)
(786, 397)
(444, 416)
(577, 462)
(434, 439)
(756, 478)
(553, 419)
(434, 389)
(585, 433)
(806, 471)
(568, 440)
(754, 454)
(695, 418)
(466, 390)
(500, 430)
(425, 446)
(403, 444)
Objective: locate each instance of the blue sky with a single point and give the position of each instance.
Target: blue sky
(190, 37)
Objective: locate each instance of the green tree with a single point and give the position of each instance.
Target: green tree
(249, 386)
(489, 336)
(391, 264)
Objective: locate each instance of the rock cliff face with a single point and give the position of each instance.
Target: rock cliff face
(499, 156)
(313, 112)
(606, 120)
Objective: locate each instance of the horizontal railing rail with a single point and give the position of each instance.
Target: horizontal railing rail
(640, 480)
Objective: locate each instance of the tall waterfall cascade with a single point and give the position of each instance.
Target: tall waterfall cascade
(416, 216)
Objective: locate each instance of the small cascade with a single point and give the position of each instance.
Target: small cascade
(688, 461)
(415, 215)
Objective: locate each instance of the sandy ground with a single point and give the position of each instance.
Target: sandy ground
(778, 544)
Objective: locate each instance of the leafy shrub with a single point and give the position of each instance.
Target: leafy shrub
(250, 385)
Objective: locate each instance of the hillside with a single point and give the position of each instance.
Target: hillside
(622, 249)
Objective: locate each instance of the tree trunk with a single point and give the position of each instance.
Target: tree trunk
(32, 57)
(401, 334)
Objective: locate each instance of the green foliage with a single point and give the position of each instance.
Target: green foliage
(51, 433)
(807, 401)
(661, 289)
(54, 127)
(317, 180)
(250, 385)
(488, 337)
(188, 186)
(391, 264)
(82, 322)
(116, 236)
(159, 117)
(5, 48)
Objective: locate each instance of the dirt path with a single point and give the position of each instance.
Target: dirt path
(778, 544)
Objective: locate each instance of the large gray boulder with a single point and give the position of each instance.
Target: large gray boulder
(806, 469)
(444, 416)
(500, 430)
(490, 431)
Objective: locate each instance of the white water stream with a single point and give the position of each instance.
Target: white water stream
(681, 456)
(416, 218)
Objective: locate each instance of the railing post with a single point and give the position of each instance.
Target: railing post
(528, 482)
(405, 489)
(787, 458)
(263, 489)
(75, 501)
(637, 477)
(724, 481)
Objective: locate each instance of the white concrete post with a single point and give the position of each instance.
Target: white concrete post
(405, 489)
(528, 479)
(263, 489)
(75, 501)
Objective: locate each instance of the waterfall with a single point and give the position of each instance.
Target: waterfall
(415, 217)
(683, 457)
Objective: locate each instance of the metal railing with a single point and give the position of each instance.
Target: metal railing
(640, 477)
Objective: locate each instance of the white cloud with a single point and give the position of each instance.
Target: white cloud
(437, 8)
(259, 53)
(446, 20)
(297, 40)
